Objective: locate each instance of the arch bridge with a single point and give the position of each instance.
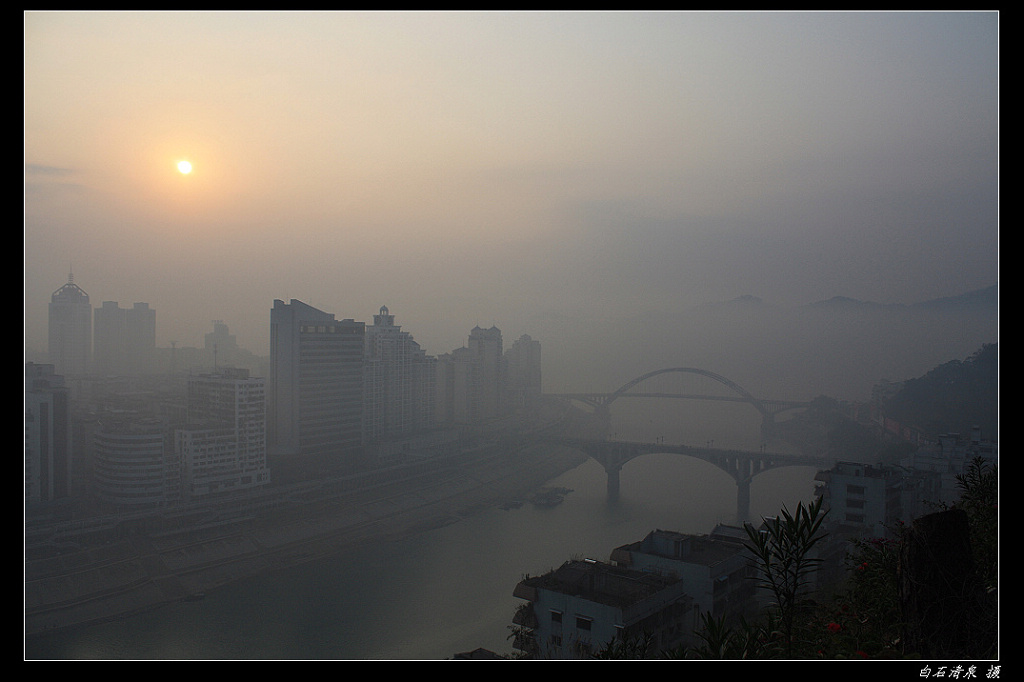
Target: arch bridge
(768, 408)
(741, 465)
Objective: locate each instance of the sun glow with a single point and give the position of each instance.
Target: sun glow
(184, 167)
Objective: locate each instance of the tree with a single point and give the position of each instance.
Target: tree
(782, 549)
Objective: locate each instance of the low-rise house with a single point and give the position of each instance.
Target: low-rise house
(575, 610)
(715, 570)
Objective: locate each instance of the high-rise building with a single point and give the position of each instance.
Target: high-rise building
(224, 445)
(220, 344)
(398, 384)
(140, 331)
(315, 400)
(47, 435)
(109, 341)
(469, 381)
(70, 333)
(522, 371)
(124, 340)
(485, 346)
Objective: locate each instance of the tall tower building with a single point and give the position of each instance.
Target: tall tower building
(124, 340)
(140, 333)
(47, 435)
(522, 371)
(316, 383)
(485, 346)
(109, 340)
(70, 333)
(469, 381)
(398, 381)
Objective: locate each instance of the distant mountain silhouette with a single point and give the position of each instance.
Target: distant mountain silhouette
(980, 298)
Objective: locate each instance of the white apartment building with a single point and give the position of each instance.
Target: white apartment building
(870, 500)
(224, 446)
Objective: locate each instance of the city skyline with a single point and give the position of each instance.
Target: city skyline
(545, 172)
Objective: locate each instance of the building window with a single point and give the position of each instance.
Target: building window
(556, 616)
(584, 623)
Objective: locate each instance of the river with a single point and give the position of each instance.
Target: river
(441, 592)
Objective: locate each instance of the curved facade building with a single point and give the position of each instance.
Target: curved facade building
(134, 465)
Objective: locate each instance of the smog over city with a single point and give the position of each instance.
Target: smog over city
(778, 206)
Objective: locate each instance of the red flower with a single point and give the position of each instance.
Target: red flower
(834, 627)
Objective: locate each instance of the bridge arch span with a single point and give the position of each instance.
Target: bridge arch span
(747, 397)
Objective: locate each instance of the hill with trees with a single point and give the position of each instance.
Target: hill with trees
(952, 398)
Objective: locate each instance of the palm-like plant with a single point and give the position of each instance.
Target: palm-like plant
(782, 554)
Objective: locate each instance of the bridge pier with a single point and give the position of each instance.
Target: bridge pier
(742, 500)
(613, 483)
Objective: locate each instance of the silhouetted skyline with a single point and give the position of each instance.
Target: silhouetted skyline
(546, 172)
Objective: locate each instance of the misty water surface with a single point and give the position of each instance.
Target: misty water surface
(443, 591)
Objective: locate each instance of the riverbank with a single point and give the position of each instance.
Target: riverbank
(135, 571)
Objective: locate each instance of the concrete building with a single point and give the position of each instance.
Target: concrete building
(949, 457)
(715, 570)
(523, 372)
(108, 340)
(488, 380)
(47, 435)
(315, 399)
(870, 500)
(578, 608)
(70, 330)
(124, 339)
(140, 332)
(470, 380)
(135, 463)
(224, 446)
(453, 387)
(398, 382)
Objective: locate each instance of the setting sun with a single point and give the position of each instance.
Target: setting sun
(184, 167)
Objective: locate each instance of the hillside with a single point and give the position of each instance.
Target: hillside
(954, 397)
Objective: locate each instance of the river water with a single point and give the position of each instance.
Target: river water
(441, 592)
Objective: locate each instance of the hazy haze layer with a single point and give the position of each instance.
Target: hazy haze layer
(522, 170)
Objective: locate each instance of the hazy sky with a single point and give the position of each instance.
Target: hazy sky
(504, 168)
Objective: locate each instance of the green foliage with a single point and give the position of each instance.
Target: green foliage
(953, 397)
(637, 647)
(782, 554)
(979, 498)
(862, 620)
(758, 640)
